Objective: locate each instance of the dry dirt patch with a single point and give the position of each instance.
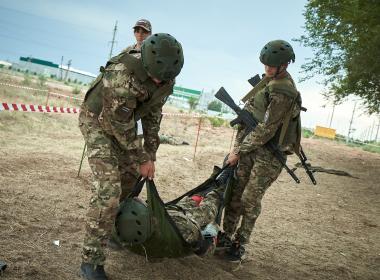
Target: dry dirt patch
(330, 231)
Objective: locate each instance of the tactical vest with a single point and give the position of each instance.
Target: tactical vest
(288, 136)
(94, 95)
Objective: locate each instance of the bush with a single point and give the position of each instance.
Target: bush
(42, 80)
(216, 122)
(76, 91)
(215, 106)
(307, 133)
(27, 80)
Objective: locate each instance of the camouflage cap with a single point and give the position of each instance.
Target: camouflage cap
(144, 23)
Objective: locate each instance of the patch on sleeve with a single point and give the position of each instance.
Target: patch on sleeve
(266, 116)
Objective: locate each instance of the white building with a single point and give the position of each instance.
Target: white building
(37, 66)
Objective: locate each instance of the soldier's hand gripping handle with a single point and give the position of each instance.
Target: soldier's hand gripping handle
(147, 169)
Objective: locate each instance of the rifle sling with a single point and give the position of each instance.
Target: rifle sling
(156, 98)
(262, 84)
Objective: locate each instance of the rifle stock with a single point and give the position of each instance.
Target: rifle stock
(223, 96)
(254, 80)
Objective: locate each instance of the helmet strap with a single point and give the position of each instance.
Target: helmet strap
(277, 71)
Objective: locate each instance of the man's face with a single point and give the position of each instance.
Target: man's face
(270, 71)
(141, 34)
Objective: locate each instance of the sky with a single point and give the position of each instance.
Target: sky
(221, 42)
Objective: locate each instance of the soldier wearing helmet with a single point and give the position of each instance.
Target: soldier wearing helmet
(120, 119)
(276, 106)
(141, 30)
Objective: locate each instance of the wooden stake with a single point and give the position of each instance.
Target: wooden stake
(196, 143)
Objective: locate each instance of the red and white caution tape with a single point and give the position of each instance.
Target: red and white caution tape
(181, 115)
(65, 96)
(17, 86)
(37, 108)
(54, 109)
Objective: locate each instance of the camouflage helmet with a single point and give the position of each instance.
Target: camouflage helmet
(133, 223)
(162, 56)
(276, 53)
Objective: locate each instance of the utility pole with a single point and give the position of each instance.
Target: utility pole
(377, 132)
(349, 128)
(373, 127)
(68, 68)
(332, 114)
(113, 39)
(61, 72)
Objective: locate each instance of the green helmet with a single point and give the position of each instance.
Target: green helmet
(133, 223)
(162, 56)
(276, 53)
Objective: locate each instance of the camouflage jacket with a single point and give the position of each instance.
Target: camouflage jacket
(130, 48)
(124, 95)
(270, 112)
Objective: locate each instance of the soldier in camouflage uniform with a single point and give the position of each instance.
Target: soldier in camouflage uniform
(141, 30)
(276, 106)
(120, 120)
(194, 218)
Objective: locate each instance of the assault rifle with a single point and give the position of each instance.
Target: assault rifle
(250, 122)
(305, 165)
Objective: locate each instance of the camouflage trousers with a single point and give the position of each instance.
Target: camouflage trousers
(190, 218)
(114, 175)
(255, 173)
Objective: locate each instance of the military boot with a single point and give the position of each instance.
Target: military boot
(92, 272)
(235, 253)
(223, 240)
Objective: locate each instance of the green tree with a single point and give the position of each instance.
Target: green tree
(345, 38)
(193, 102)
(215, 106)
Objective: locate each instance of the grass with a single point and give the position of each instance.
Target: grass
(372, 149)
(216, 122)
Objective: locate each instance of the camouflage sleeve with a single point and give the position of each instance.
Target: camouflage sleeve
(278, 107)
(119, 102)
(238, 139)
(151, 126)
(240, 132)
